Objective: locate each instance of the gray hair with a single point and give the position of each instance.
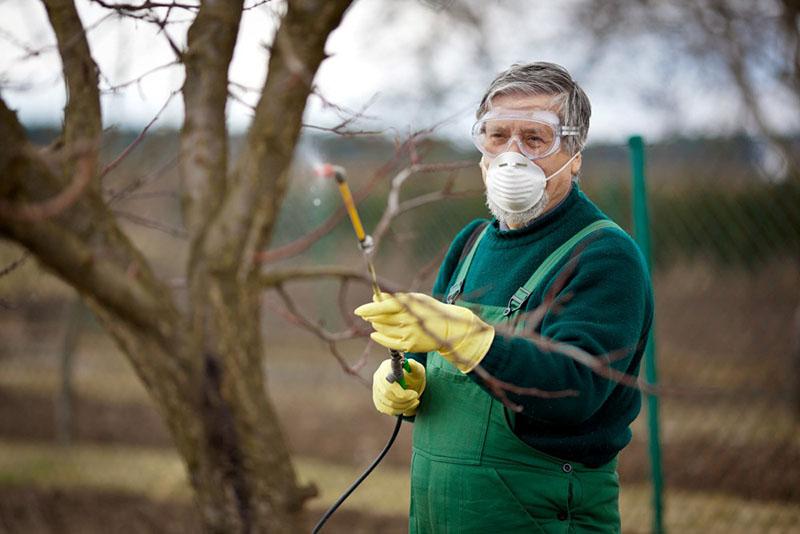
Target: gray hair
(541, 78)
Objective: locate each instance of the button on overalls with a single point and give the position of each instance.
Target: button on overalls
(471, 474)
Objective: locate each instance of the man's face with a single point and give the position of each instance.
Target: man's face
(549, 164)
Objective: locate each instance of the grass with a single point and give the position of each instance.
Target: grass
(158, 475)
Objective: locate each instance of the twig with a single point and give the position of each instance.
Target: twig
(149, 223)
(257, 3)
(138, 79)
(428, 268)
(274, 278)
(303, 243)
(146, 5)
(111, 166)
(146, 195)
(291, 313)
(348, 117)
(19, 262)
(393, 206)
(116, 196)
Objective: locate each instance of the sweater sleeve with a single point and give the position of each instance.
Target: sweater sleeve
(605, 308)
(446, 272)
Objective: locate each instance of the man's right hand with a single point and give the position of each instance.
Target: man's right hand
(389, 397)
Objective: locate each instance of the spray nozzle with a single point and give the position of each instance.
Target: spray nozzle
(328, 170)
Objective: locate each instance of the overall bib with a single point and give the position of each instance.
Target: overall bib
(471, 474)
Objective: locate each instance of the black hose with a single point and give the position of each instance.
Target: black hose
(360, 479)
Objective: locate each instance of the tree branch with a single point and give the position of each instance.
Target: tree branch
(293, 315)
(245, 221)
(82, 116)
(83, 246)
(270, 279)
(116, 161)
(204, 140)
(37, 211)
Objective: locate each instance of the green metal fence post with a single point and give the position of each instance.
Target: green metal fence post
(641, 231)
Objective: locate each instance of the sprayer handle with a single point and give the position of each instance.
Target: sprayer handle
(398, 364)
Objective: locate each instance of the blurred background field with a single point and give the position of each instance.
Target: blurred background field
(92, 455)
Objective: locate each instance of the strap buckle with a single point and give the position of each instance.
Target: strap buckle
(517, 300)
(454, 292)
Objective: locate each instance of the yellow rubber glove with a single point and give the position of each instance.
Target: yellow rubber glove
(389, 397)
(414, 322)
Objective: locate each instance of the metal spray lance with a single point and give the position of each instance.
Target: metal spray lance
(398, 360)
(365, 243)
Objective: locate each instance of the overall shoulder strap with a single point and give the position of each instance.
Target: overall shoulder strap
(519, 298)
(469, 251)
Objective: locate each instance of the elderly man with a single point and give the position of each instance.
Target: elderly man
(549, 266)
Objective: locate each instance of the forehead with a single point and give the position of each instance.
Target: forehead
(517, 102)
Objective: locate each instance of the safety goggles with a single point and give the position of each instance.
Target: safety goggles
(536, 133)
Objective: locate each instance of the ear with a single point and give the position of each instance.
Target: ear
(484, 166)
(575, 167)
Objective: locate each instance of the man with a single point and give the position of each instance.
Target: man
(548, 464)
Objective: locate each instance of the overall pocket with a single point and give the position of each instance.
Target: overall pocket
(452, 419)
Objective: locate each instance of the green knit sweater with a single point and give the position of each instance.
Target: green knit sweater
(605, 308)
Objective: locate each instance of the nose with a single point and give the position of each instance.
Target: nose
(514, 146)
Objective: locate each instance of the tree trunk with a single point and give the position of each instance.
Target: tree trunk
(201, 362)
(225, 429)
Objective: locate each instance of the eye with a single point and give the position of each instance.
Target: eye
(534, 140)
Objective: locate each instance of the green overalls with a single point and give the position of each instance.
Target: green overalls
(471, 474)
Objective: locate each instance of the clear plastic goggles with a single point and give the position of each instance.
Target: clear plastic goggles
(536, 133)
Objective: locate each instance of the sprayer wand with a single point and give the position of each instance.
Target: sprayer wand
(399, 362)
(365, 243)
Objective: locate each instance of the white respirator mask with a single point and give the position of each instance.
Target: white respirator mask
(514, 183)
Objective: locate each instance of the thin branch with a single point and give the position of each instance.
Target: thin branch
(303, 243)
(113, 164)
(426, 270)
(116, 87)
(344, 112)
(147, 195)
(341, 130)
(348, 117)
(341, 301)
(19, 262)
(292, 314)
(35, 52)
(138, 183)
(257, 3)
(146, 5)
(393, 206)
(149, 223)
(600, 365)
(270, 279)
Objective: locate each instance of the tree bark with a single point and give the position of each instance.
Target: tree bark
(202, 363)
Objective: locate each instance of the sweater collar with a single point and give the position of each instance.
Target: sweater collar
(542, 224)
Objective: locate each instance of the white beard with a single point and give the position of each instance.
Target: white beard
(518, 220)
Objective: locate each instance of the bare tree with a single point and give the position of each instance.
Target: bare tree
(201, 362)
(753, 46)
(201, 357)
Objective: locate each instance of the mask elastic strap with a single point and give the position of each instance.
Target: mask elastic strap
(564, 166)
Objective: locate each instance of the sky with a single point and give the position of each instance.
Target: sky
(375, 59)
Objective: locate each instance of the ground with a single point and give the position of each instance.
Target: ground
(729, 424)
